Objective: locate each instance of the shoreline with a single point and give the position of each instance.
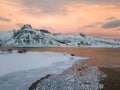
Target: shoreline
(113, 70)
(77, 77)
(59, 47)
(24, 70)
(110, 81)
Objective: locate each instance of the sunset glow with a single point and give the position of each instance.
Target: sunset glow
(92, 17)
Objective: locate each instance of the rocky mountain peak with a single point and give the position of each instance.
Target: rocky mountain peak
(26, 26)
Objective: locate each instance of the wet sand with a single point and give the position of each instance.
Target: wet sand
(112, 81)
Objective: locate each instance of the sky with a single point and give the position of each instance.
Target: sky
(99, 18)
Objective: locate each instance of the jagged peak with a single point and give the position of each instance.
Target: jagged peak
(26, 26)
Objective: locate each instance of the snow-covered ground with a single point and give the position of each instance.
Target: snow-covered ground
(78, 77)
(19, 70)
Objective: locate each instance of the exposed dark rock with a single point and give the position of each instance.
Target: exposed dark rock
(63, 42)
(34, 85)
(82, 35)
(72, 54)
(22, 51)
(44, 31)
(78, 44)
(26, 26)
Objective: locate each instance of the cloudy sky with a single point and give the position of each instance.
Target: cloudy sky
(92, 17)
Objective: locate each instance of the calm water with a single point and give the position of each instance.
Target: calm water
(99, 56)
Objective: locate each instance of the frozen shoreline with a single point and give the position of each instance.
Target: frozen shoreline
(20, 70)
(77, 77)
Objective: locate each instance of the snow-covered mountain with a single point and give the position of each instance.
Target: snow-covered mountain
(6, 35)
(30, 37)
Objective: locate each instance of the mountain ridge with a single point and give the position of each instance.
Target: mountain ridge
(27, 36)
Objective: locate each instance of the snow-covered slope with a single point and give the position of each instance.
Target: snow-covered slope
(5, 36)
(30, 37)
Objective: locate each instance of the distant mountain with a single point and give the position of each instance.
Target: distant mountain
(30, 37)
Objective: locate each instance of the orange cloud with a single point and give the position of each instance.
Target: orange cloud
(63, 17)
